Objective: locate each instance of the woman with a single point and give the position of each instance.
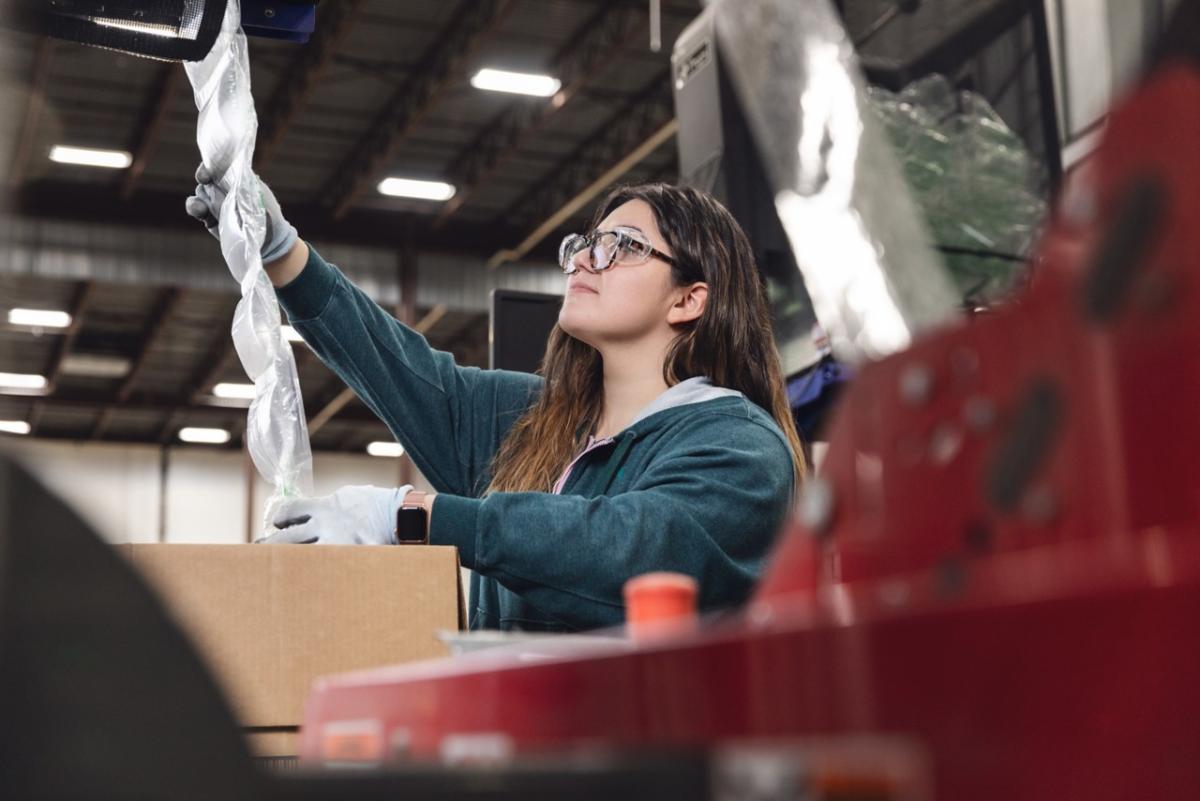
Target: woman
(657, 436)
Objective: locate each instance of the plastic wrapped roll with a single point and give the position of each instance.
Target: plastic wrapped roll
(276, 431)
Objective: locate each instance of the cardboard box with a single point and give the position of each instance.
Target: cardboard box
(269, 619)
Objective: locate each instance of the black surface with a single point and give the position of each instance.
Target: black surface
(519, 325)
(1181, 42)
(1026, 445)
(101, 697)
(642, 777)
(1122, 252)
(72, 20)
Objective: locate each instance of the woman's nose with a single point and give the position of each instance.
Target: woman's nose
(583, 260)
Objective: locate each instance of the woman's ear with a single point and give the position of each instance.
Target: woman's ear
(689, 303)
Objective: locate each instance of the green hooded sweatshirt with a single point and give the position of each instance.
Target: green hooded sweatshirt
(699, 483)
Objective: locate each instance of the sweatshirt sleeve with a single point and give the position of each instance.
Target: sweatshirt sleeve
(709, 508)
(449, 419)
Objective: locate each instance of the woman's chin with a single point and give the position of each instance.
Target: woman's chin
(574, 327)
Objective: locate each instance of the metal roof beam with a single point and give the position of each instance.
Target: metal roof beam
(576, 65)
(150, 126)
(235, 441)
(297, 85)
(621, 141)
(375, 227)
(215, 361)
(136, 404)
(33, 111)
(79, 302)
(148, 403)
(473, 22)
(168, 299)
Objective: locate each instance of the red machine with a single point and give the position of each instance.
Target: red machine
(1000, 563)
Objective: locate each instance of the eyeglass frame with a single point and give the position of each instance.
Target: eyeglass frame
(590, 242)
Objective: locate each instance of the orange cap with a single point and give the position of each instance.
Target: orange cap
(660, 601)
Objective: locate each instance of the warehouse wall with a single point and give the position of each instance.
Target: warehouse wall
(119, 490)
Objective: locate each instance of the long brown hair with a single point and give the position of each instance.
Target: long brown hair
(731, 342)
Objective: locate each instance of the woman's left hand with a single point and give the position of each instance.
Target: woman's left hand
(362, 515)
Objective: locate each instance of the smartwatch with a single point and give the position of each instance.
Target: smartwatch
(412, 521)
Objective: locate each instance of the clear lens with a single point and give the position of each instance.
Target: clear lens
(604, 250)
(631, 249)
(568, 250)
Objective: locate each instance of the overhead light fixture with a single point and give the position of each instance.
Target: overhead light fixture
(22, 381)
(39, 318)
(96, 365)
(204, 436)
(421, 190)
(291, 334)
(234, 391)
(91, 157)
(392, 449)
(14, 426)
(517, 83)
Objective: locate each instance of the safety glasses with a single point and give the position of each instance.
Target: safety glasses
(625, 246)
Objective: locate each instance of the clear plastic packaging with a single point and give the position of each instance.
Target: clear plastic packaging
(977, 183)
(856, 233)
(276, 430)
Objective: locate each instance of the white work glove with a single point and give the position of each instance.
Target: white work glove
(351, 516)
(279, 236)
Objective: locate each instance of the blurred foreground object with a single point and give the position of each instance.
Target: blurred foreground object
(102, 697)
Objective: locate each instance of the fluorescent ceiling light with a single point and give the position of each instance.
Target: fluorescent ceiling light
(291, 334)
(90, 157)
(205, 436)
(14, 426)
(22, 381)
(518, 83)
(238, 391)
(421, 190)
(392, 449)
(42, 318)
(94, 365)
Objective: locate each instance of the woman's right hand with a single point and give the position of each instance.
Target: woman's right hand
(205, 205)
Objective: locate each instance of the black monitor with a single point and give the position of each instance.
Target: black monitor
(519, 325)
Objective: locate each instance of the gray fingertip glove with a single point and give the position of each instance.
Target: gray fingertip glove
(361, 515)
(205, 206)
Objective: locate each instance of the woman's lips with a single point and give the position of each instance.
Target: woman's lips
(581, 288)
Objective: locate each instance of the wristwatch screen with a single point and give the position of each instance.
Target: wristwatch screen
(411, 525)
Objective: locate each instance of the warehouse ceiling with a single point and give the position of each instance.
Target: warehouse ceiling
(381, 90)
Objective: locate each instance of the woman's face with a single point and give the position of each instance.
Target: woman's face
(624, 303)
